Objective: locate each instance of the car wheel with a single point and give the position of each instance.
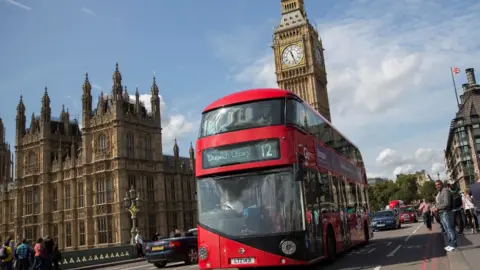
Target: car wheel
(160, 265)
(192, 256)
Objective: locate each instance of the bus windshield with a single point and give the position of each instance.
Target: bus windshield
(250, 204)
(242, 116)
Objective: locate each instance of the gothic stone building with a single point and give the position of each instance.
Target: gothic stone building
(6, 180)
(70, 182)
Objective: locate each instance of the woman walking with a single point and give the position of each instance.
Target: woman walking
(425, 207)
(472, 221)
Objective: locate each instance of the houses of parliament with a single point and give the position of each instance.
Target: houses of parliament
(70, 181)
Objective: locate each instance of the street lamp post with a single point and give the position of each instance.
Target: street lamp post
(132, 204)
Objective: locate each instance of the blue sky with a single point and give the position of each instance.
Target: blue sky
(388, 63)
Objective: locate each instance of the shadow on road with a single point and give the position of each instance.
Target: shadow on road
(391, 251)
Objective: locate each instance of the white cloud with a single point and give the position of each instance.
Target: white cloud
(88, 11)
(174, 124)
(17, 4)
(388, 76)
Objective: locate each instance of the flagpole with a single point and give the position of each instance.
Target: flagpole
(454, 85)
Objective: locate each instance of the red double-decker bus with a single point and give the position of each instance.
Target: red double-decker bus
(277, 184)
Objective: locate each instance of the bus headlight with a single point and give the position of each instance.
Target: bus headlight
(202, 253)
(288, 247)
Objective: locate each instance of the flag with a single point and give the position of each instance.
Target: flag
(455, 70)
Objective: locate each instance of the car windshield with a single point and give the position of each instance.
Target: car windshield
(243, 116)
(251, 204)
(406, 210)
(383, 214)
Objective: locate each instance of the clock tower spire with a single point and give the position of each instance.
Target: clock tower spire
(299, 57)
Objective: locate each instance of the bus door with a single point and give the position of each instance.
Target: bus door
(313, 215)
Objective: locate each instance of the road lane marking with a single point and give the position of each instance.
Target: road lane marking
(408, 237)
(371, 250)
(389, 243)
(395, 250)
(377, 268)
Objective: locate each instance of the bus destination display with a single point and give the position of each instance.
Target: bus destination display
(241, 153)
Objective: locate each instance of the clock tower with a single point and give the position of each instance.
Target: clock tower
(299, 61)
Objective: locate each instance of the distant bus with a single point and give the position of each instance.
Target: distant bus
(396, 205)
(277, 184)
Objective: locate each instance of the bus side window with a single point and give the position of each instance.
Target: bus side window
(313, 123)
(336, 202)
(297, 114)
(324, 189)
(352, 194)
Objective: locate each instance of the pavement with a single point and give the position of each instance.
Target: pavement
(411, 247)
(467, 254)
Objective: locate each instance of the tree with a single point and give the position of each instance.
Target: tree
(380, 194)
(428, 191)
(408, 188)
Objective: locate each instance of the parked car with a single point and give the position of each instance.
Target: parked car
(408, 214)
(175, 249)
(386, 219)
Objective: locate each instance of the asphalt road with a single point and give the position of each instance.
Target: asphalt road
(408, 248)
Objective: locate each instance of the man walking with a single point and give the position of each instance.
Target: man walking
(444, 210)
(425, 207)
(475, 197)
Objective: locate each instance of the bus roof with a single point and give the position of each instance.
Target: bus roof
(248, 95)
(258, 94)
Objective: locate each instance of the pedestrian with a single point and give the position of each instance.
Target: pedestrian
(471, 220)
(457, 208)
(139, 245)
(7, 263)
(41, 259)
(444, 209)
(474, 194)
(22, 255)
(425, 209)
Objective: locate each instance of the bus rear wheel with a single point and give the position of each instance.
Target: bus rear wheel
(331, 245)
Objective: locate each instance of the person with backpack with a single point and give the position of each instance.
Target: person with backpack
(22, 255)
(7, 262)
(457, 208)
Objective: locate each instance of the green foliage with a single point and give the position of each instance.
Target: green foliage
(428, 191)
(404, 188)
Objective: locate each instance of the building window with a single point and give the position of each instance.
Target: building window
(104, 228)
(102, 143)
(68, 196)
(150, 189)
(81, 233)
(68, 234)
(131, 182)
(29, 202)
(81, 195)
(152, 224)
(55, 199)
(55, 233)
(130, 145)
(32, 159)
(12, 210)
(29, 234)
(36, 203)
(101, 192)
(148, 147)
(172, 189)
(189, 190)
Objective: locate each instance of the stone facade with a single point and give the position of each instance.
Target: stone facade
(71, 181)
(299, 57)
(463, 143)
(6, 182)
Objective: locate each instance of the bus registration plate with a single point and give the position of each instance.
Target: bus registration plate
(242, 261)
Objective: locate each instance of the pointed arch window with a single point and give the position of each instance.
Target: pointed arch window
(102, 143)
(130, 145)
(148, 147)
(32, 159)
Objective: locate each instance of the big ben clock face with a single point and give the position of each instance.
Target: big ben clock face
(292, 55)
